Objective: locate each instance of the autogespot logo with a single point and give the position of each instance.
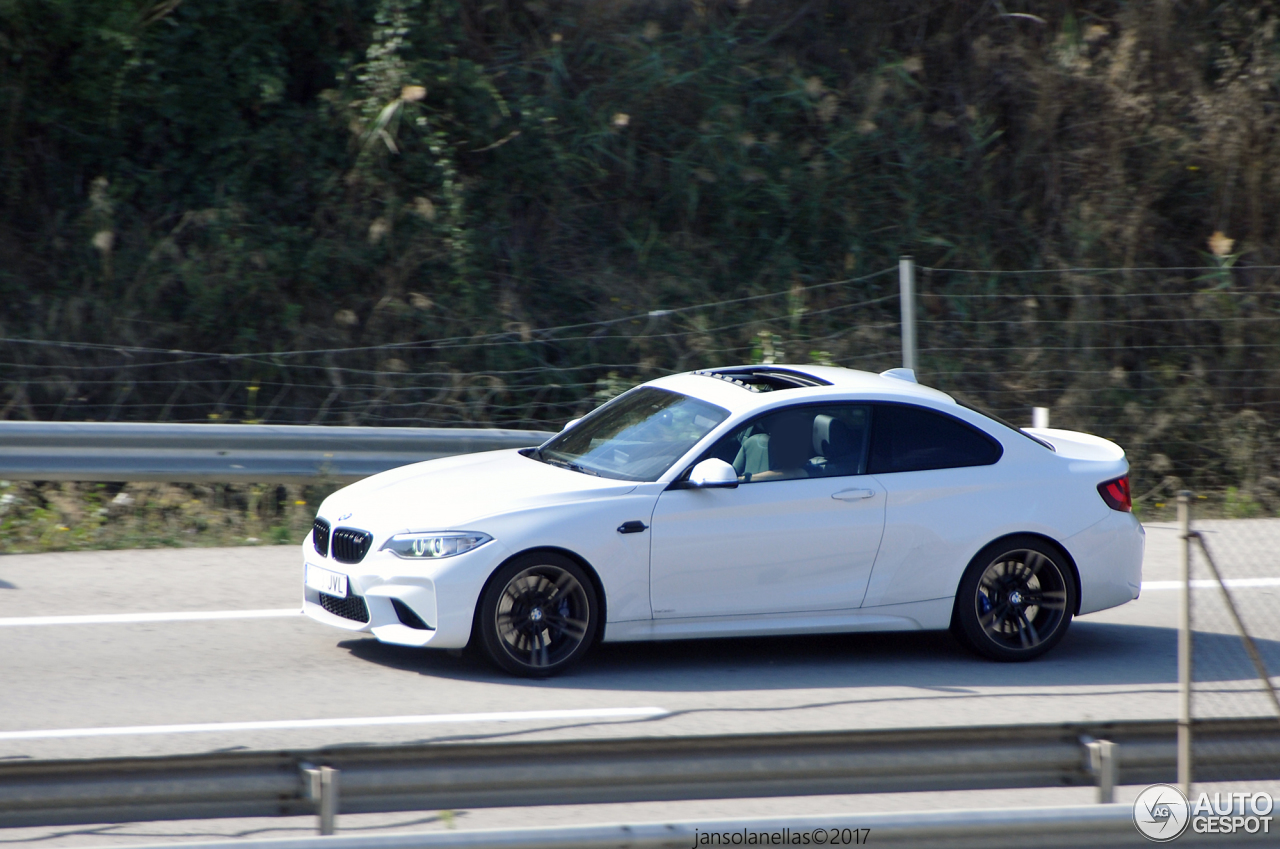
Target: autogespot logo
(1161, 812)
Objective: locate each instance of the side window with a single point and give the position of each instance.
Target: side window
(799, 442)
(912, 439)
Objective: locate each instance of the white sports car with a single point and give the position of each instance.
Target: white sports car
(737, 502)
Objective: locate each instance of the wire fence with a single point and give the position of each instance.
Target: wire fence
(1181, 366)
(521, 377)
(1233, 600)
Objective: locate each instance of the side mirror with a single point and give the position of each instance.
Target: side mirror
(713, 474)
(570, 424)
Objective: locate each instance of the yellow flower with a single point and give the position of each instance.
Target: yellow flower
(1220, 244)
(425, 208)
(1095, 32)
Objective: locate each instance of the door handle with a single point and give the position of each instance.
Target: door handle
(853, 494)
(632, 527)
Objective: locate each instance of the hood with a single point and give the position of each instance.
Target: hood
(454, 492)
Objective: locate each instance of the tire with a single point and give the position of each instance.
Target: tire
(538, 615)
(1015, 600)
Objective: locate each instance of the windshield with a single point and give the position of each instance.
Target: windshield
(635, 437)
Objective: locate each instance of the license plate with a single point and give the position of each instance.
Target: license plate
(330, 583)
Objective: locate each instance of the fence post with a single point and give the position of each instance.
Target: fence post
(907, 305)
(1184, 646)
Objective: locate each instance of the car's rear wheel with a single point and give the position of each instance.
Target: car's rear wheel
(1015, 600)
(538, 615)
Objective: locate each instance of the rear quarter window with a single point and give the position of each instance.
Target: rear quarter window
(905, 438)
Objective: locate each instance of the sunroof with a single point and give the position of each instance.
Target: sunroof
(763, 378)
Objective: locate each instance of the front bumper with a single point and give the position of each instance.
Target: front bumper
(408, 604)
(384, 620)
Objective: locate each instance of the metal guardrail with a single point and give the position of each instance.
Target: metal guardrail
(476, 775)
(1095, 826)
(225, 453)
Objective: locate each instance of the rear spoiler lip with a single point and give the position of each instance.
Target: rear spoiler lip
(1075, 445)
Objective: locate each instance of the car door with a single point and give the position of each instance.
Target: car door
(799, 533)
(945, 499)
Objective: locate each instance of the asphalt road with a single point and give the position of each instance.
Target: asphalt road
(105, 688)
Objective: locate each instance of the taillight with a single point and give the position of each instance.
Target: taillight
(1116, 494)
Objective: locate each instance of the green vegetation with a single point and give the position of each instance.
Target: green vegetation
(232, 176)
(69, 517)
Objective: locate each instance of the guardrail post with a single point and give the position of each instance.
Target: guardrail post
(1102, 763)
(1184, 646)
(328, 799)
(322, 787)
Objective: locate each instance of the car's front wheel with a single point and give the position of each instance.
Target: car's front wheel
(1015, 600)
(538, 615)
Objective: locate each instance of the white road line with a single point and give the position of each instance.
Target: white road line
(118, 618)
(347, 722)
(1231, 583)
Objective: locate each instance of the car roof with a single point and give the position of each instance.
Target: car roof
(733, 389)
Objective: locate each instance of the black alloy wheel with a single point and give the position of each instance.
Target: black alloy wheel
(1015, 601)
(538, 615)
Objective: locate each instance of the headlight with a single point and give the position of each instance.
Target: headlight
(431, 546)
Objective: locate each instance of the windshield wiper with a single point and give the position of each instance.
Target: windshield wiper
(567, 464)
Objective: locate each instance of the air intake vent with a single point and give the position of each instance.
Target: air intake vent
(350, 545)
(408, 617)
(352, 607)
(320, 536)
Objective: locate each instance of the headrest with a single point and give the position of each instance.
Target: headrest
(832, 438)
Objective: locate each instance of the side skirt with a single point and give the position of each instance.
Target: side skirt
(931, 615)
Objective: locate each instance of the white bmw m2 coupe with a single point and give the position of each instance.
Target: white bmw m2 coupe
(737, 502)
